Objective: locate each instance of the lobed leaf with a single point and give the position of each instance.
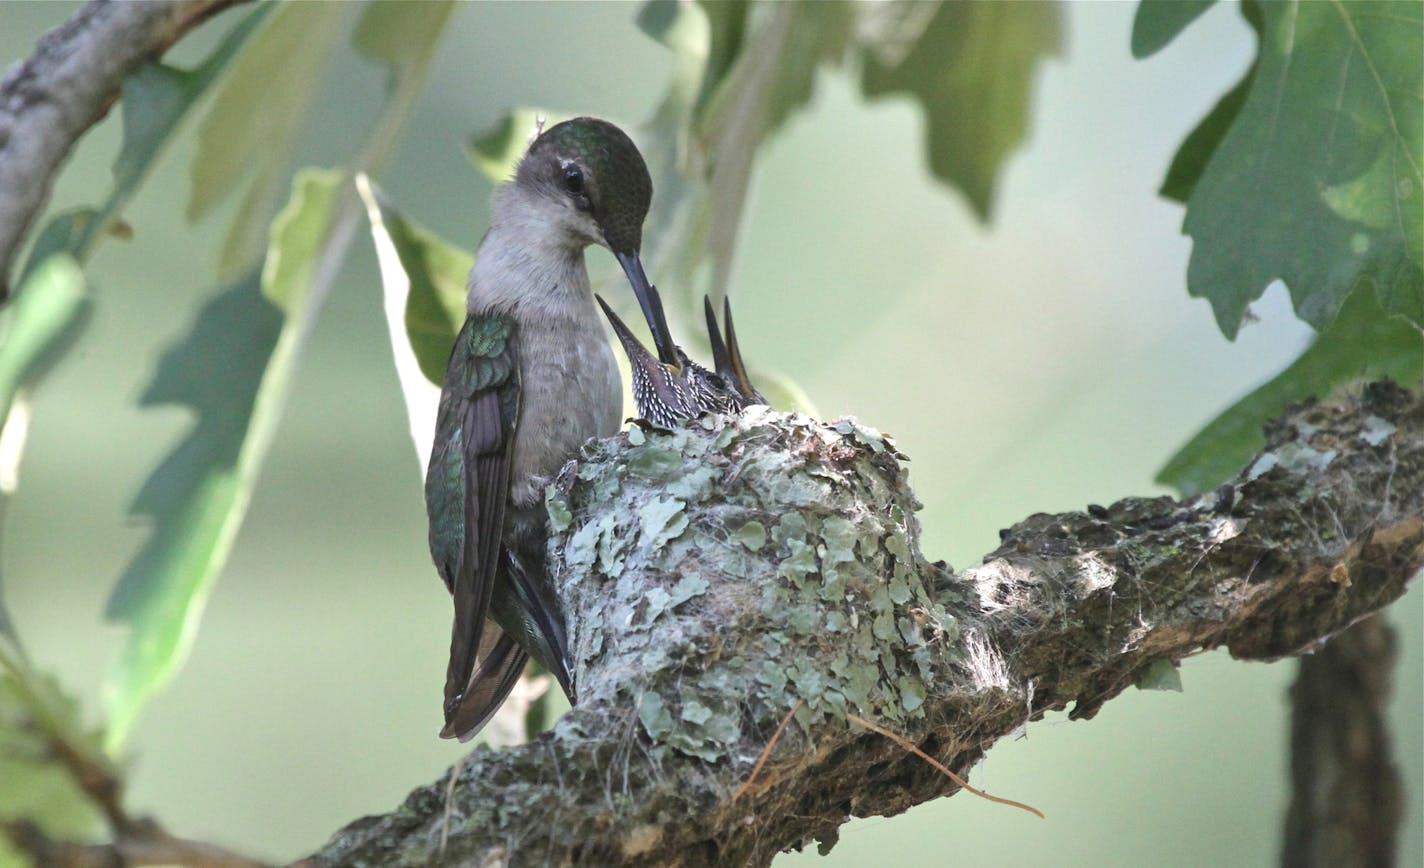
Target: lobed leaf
(194, 498)
(1364, 342)
(1312, 170)
(743, 69)
(297, 235)
(497, 151)
(158, 97)
(423, 287)
(1158, 22)
(43, 320)
(400, 34)
(155, 100)
(237, 366)
(232, 371)
(971, 69)
(250, 129)
(52, 307)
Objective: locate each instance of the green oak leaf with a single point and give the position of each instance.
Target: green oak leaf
(36, 329)
(970, 66)
(297, 235)
(742, 69)
(192, 497)
(435, 271)
(1158, 22)
(1312, 170)
(251, 128)
(236, 368)
(772, 69)
(496, 152)
(402, 35)
(1362, 342)
(155, 99)
(52, 306)
(233, 370)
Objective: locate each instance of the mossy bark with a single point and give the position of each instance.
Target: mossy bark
(717, 575)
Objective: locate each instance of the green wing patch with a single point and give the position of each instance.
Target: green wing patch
(489, 360)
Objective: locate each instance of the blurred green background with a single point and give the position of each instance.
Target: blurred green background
(1043, 362)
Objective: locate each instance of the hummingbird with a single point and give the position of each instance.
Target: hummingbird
(531, 377)
(668, 392)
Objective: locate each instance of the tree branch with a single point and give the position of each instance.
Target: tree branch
(716, 577)
(1347, 800)
(144, 843)
(49, 100)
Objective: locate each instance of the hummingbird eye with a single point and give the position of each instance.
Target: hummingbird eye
(573, 180)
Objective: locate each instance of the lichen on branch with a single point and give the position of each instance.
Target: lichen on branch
(718, 575)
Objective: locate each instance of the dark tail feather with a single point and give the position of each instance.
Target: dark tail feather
(486, 479)
(496, 674)
(541, 612)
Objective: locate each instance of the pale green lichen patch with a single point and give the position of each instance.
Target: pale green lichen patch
(558, 509)
(664, 518)
(752, 535)
(740, 564)
(1159, 675)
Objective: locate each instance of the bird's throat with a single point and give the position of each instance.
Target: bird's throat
(529, 277)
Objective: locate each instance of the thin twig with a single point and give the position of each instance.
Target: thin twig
(146, 845)
(961, 782)
(90, 769)
(450, 802)
(137, 841)
(766, 751)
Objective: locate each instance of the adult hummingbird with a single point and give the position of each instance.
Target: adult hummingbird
(669, 392)
(530, 378)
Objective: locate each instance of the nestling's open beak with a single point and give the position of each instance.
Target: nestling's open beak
(638, 357)
(650, 303)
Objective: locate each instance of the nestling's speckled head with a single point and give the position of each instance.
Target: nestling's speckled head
(597, 169)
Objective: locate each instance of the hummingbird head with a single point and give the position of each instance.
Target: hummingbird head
(594, 174)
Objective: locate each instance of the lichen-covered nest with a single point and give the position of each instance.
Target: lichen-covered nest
(803, 547)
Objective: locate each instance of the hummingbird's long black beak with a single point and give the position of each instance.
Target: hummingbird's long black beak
(638, 356)
(650, 303)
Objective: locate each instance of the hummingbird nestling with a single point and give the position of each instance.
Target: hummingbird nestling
(670, 387)
(530, 378)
